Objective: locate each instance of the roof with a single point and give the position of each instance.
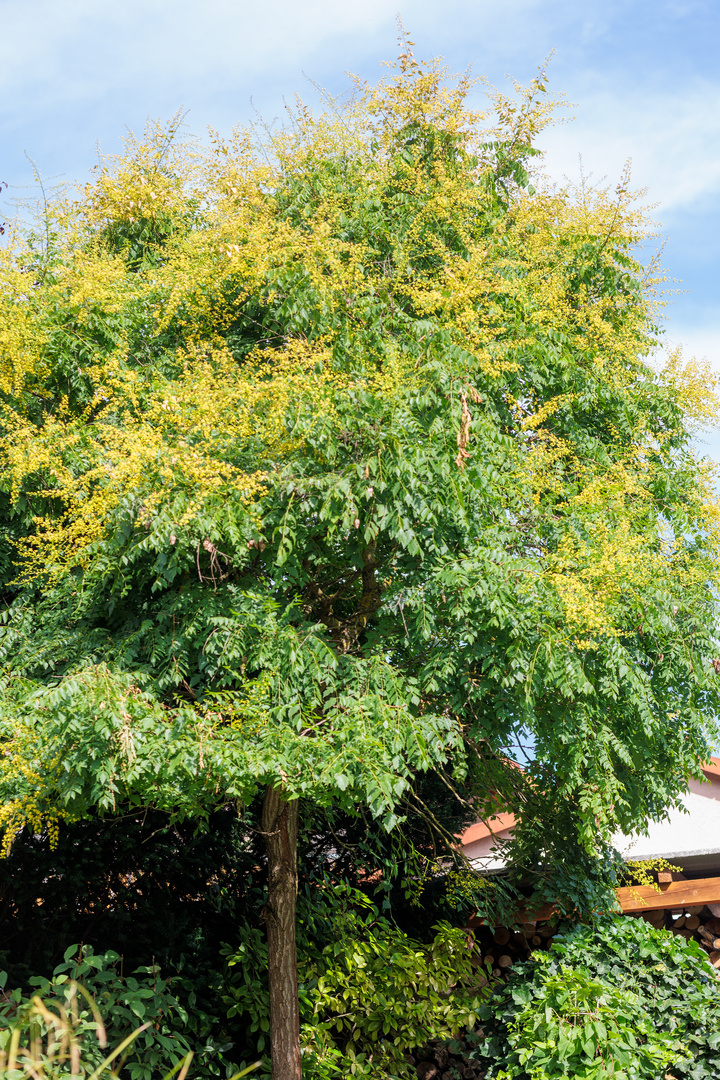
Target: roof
(690, 836)
(499, 824)
(682, 835)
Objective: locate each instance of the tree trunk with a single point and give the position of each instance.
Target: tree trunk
(280, 829)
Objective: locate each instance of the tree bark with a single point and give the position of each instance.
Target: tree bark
(280, 829)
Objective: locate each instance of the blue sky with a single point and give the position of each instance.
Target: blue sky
(643, 75)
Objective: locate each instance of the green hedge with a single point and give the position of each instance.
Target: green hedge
(125, 1002)
(617, 999)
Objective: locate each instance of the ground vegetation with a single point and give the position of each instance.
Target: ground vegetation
(618, 998)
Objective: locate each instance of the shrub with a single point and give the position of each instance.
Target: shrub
(618, 998)
(368, 992)
(125, 1002)
(46, 1043)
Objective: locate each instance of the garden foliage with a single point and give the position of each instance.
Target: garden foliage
(122, 1002)
(614, 999)
(369, 993)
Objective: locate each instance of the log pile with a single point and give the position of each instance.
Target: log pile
(692, 923)
(497, 949)
(439, 1062)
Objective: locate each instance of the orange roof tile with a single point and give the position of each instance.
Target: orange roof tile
(491, 827)
(502, 822)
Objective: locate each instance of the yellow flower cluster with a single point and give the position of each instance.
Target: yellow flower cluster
(172, 239)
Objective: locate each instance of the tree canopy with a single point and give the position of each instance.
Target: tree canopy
(336, 453)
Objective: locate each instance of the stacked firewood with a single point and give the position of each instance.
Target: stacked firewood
(692, 923)
(498, 948)
(439, 1062)
(495, 951)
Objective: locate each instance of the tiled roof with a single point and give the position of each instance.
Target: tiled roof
(694, 833)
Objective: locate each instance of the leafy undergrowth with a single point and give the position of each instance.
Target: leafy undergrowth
(369, 994)
(65, 1038)
(617, 999)
(155, 1020)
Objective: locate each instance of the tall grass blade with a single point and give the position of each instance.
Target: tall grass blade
(251, 1068)
(100, 1031)
(183, 1063)
(13, 1050)
(118, 1050)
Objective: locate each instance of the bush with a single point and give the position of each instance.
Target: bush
(132, 884)
(44, 1043)
(618, 998)
(368, 992)
(125, 1002)
(49, 1041)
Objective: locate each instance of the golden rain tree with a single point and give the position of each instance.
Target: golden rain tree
(333, 455)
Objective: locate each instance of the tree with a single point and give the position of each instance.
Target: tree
(334, 455)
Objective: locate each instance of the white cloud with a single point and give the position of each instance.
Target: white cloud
(696, 343)
(81, 51)
(104, 63)
(672, 139)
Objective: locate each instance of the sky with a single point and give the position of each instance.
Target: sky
(642, 76)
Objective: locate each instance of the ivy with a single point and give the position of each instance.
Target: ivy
(617, 998)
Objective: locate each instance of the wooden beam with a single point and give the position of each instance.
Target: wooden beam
(636, 898)
(674, 894)
(540, 914)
